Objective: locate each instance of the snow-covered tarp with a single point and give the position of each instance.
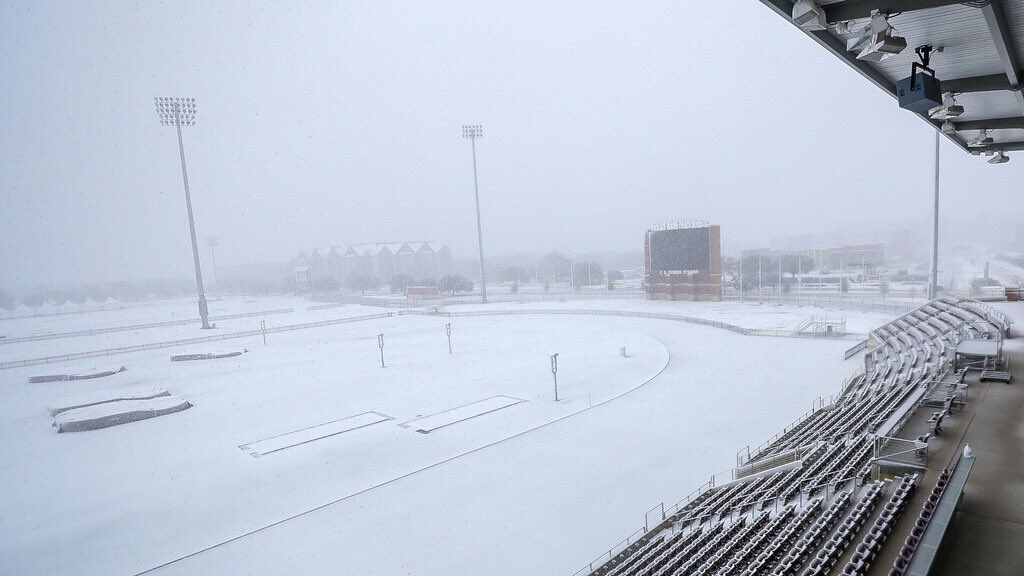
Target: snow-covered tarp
(86, 376)
(105, 396)
(115, 413)
(206, 356)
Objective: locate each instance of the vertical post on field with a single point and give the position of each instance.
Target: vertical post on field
(472, 132)
(380, 343)
(263, 328)
(778, 289)
(448, 330)
(180, 112)
(799, 276)
(554, 373)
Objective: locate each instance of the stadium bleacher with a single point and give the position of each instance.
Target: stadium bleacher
(790, 519)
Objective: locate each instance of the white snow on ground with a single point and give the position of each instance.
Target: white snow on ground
(1005, 272)
(539, 487)
(745, 314)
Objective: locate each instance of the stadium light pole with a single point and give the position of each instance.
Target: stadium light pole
(778, 290)
(180, 112)
(799, 276)
(759, 278)
(572, 270)
(472, 132)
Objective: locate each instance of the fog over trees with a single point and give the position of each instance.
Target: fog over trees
(325, 125)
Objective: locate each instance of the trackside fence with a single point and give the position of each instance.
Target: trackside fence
(94, 331)
(189, 341)
(625, 314)
(249, 333)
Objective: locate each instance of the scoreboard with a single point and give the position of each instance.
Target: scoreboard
(683, 262)
(683, 250)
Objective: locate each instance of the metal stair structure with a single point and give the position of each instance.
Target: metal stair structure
(996, 375)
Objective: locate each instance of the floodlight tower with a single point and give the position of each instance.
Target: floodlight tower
(180, 112)
(472, 132)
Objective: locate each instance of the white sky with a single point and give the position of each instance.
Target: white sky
(337, 123)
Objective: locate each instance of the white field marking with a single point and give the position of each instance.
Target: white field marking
(428, 424)
(305, 435)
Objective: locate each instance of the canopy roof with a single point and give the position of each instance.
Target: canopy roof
(977, 50)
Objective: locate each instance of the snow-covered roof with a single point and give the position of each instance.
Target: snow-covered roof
(376, 248)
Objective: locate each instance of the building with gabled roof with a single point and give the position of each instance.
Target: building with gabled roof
(421, 260)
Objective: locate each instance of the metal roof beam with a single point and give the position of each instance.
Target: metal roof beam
(991, 124)
(1003, 146)
(989, 83)
(862, 8)
(996, 21)
(837, 47)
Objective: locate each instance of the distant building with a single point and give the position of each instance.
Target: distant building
(421, 292)
(385, 260)
(866, 256)
(792, 243)
(903, 243)
(856, 256)
(254, 278)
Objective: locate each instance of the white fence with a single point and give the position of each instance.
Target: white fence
(94, 331)
(272, 330)
(187, 341)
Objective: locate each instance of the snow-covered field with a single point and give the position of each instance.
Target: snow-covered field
(502, 479)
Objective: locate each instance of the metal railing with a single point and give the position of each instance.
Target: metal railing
(619, 313)
(326, 306)
(188, 341)
(855, 349)
(95, 331)
(614, 551)
(850, 301)
(818, 404)
(248, 333)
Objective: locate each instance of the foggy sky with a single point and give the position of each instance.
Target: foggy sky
(341, 123)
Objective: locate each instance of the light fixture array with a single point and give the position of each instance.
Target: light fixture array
(875, 41)
(174, 111)
(949, 108)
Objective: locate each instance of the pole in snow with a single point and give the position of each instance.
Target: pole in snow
(554, 372)
(380, 343)
(448, 330)
(471, 132)
(180, 112)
